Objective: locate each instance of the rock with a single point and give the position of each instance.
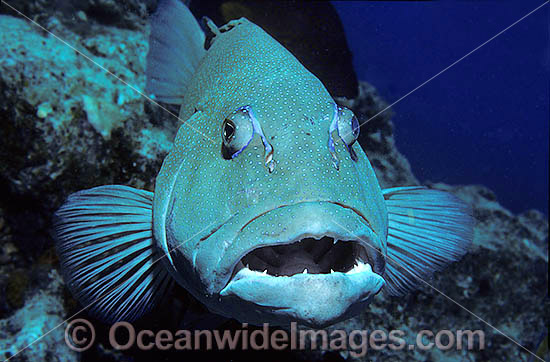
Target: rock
(31, 333)
(50, 146)
(78, 15)
(66, 123)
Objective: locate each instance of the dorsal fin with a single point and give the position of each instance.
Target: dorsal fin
(176, 46)
(211, 31)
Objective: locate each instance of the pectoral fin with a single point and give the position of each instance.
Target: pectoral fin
(428, 229)
(105, 245)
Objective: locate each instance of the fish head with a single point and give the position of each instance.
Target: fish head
(267, 208)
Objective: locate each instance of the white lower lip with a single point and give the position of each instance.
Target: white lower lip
(306, 291)
(358, 276)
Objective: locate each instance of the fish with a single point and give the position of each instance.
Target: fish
(266, 209)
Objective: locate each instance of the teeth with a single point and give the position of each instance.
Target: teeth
(360, 267)
(323, 254)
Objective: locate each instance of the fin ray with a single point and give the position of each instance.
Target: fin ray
(107, 253)
(427, 230)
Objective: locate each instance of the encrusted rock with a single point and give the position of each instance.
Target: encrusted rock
(31, 333)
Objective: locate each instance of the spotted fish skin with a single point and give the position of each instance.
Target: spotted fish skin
(245, 66)
(266, 209)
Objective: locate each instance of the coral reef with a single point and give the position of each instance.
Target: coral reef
(78, 14)
(30, 334)
(68, 125)
(70, 113)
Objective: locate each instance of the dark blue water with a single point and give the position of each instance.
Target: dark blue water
(483, 121)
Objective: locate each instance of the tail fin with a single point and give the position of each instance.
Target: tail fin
(176, 46)
(105, 244)
(428, 229)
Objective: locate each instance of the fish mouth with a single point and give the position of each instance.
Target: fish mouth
(322, 274)
(315, 281)
(311, 254)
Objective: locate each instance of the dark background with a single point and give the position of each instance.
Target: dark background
(485, 120)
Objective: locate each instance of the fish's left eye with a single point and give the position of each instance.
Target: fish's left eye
(237, 132)
(228, 131)
(348, 126)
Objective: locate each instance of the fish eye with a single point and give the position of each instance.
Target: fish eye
(237, 132)
(348, 126)
(228, 131)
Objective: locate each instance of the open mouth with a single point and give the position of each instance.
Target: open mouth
(316, 279)
(326, 264)
(311, 255)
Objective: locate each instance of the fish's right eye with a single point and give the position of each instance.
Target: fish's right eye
(237, 132)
